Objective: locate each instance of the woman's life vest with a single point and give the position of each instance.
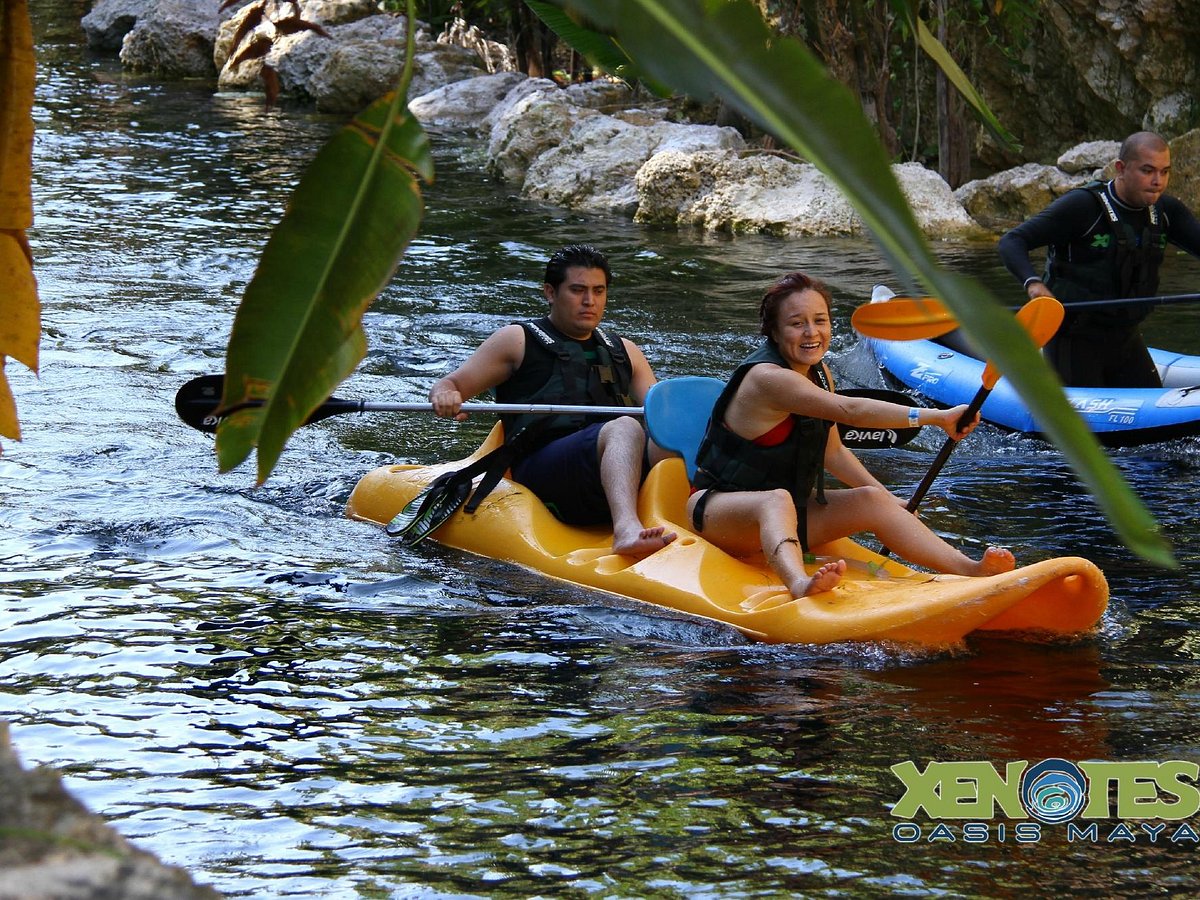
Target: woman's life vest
(728, 462)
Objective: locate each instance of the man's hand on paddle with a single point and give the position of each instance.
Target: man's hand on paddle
(447, 402)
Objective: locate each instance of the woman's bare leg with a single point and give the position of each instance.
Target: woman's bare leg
(743, 521)
(870, 509)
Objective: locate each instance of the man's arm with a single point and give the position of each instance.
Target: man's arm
(495, 360)
(1183, 229)
(1068, 217)
(643, 375)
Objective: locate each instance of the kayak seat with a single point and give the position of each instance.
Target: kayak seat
(677, 412)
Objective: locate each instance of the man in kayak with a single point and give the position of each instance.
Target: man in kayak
(759, 482)
(1105, 241)
(586, 469)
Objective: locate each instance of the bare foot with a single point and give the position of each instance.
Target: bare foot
(996, 560)
(644, 542)
(825, 578)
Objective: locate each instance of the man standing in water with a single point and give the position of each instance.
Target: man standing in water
(586, 469)
(1105, 241)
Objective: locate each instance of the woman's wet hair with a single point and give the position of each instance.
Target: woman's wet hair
(582, 255)
(768, 310)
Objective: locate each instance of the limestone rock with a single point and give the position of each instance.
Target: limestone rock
(534, 117)
(107, 23)
(1089, 157)
(726, 191)
(938, 212)
(595, 167)
(1094, 70)
(173, 38)
(464, 105)
(1008, 198)
(1185, 169)
(53, 848)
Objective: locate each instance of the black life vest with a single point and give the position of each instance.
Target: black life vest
(1129, 266)
(728, 462)
(559, 370)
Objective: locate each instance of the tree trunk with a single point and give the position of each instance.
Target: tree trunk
(954, 136)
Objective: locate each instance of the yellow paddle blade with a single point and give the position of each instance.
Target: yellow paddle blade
(1041, 318)
(903, 319)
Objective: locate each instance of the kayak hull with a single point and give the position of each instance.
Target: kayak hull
(1119, 417)
(879, 599)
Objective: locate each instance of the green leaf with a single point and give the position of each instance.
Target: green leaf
(298, 331)
(724, 48)
(598, 49)
(938, 53)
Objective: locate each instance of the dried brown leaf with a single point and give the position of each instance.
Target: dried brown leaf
(270, 80)
(295, 24)
(256, 49)
(252, 21)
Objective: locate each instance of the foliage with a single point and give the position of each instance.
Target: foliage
(908, 10)
(598, 49)
(724, 48)
(20, 312)
(298, 331)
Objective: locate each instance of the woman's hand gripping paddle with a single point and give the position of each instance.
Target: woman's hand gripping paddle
(1041, 318)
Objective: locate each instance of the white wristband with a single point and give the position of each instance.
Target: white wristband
(914, 417)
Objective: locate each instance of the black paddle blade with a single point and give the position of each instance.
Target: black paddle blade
(877, 438)
(197, 401)
(429, 509)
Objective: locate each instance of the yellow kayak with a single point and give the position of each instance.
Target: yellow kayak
(878, 600)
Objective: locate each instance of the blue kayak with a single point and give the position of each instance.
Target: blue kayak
(945, 372)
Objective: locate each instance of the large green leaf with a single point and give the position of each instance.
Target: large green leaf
(298, 331)
(598, 49)
(724, 48)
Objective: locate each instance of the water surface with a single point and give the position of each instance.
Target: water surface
(251, 686)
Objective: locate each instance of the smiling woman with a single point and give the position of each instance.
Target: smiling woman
(769, 442)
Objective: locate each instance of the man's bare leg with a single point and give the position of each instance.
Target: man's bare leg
(620, 446)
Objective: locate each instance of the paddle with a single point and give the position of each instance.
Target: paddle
(1117, 301)
(1134, 301)
(197, 401)
(903, 319)
(1040, 318)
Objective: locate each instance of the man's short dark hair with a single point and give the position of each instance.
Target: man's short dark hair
(1134, 145)
(582, 255)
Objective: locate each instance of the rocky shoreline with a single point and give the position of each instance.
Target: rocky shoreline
(52, 848)
(595, 147)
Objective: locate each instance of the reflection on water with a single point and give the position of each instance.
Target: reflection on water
(288, 705)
